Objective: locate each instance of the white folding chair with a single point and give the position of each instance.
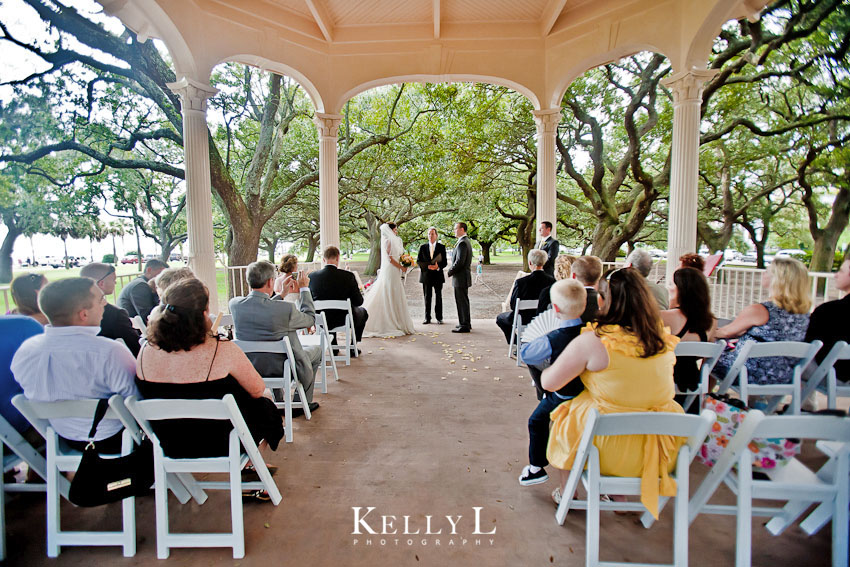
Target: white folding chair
(139, 324)
(804, 352)
(694, 427)
(793, 483)
(146, 411)
(517, 327)
(826, 370)
(21, 452)
(225, 322)
(710, 354)
(61, 458)
(350, 345)
(283, 383)
(321, 338)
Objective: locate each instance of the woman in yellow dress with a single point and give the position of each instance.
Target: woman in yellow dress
(625, 361)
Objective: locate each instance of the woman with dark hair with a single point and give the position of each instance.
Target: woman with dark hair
(690, 319)
(25, 290)
(184, 360)
(625, 361)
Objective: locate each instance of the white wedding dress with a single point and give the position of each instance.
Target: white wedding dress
(385, 301)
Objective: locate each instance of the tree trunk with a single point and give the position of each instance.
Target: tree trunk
(605, 243)
(312, 245)
(6, 254)
(114, 252)
(374, 261)
(826, 239)
(485, 251)
(32, 248)
(65, 244)
(138, 244)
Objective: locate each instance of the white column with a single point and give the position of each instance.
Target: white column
(547, 126)
(193, 96)
(328, 126)
(686, 87)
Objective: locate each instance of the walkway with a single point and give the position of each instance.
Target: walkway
(408, 433)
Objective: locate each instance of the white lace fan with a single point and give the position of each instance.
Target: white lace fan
(543, 324)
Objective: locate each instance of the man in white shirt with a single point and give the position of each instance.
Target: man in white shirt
(70, 362)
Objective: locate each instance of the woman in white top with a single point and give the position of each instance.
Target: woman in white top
(386, 301)
(288, 266)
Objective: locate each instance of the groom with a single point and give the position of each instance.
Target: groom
(432, 260)
(462, 278)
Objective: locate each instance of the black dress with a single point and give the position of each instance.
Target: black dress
(196, 438)
(686, 371)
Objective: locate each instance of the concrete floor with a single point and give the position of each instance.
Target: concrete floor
(408, 433)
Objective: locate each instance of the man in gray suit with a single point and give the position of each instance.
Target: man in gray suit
(257, 317)
(462, 278)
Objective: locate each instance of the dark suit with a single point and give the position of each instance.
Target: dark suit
(257, 317)
(528, 287)
(590, 308)
(137, 298)
(432, 280)
(462, 280)
(332, 284)
(551, 247)
(116, 325)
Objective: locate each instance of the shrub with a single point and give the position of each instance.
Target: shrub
(108, 259)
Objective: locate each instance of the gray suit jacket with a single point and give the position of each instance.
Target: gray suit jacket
(137, 298)
(461, 261)
(256, 317)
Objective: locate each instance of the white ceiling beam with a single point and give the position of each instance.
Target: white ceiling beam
(551, 13)
(436, 19)
(323, 19)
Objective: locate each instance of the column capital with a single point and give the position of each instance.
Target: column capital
(687, 85)
(327, 124)
(547, 120)
(193, 94)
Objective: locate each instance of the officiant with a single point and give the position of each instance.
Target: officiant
(432, 260)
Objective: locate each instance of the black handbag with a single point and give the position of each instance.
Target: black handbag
(101, 481)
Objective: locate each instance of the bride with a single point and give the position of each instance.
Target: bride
(385, 301)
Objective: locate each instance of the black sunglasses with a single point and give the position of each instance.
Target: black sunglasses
(107, 274)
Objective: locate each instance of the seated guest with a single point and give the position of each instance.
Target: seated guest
(182, 359)
(625, 361)
(525, 288)
(692, 261)
(332, 284)
(25, 290)
(288, 266)
(641, 261)
(569, 299)
(170, 275)
(783, 317)
(690, 319)
(828, 322)
(115, 323)
(587, 270)
(139, 296)
(14, 330)
(258, 317)
(562, 272)
(70, 362)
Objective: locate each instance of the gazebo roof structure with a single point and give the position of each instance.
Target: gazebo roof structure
(338, 48)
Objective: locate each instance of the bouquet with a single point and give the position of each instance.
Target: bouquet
(406, 260)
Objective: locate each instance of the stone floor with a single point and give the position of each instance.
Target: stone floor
(408, 433)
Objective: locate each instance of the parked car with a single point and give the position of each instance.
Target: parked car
(791, 253)
(175, 257)
(130, 260)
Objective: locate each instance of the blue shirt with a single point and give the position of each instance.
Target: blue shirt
(14, 330)
(538, 351)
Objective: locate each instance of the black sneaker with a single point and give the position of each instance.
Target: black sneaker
(528, 478)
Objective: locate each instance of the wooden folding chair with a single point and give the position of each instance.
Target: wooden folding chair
(347, 328)
(283, 384)
(710, 354)
(321, 338)
(146, 411)
(517, 327)
(793, 483)
(694, 427)
(833, 388)
(804, 352)
(61, 458)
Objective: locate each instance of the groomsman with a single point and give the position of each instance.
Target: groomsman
(432, 260)
(549, 245)
(462, 278)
